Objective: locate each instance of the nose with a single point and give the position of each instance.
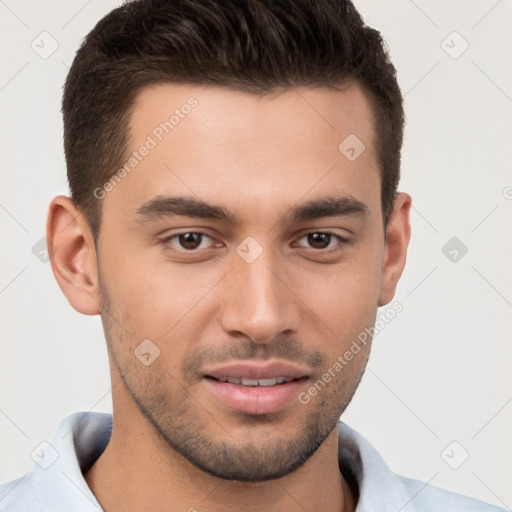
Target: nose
(258, 302)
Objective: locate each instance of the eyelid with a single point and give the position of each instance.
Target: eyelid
(168, 236)
(327, 231)
(341, 239)
(166, 240)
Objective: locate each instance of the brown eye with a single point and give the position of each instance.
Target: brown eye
(190, 240)
(319, 240)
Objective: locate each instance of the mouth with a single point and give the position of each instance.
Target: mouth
(256, 387)
(273, 381)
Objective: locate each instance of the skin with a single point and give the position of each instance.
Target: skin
(257, 156)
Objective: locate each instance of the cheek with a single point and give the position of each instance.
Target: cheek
(155, 297)
(343, 292)
(345, 299)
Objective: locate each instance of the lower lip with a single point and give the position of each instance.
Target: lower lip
(255, 399)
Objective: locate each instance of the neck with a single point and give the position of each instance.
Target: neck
(139, 470)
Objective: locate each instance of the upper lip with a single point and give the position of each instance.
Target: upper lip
(257, 370)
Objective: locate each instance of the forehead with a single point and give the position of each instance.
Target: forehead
(219, 113)
(225, 146)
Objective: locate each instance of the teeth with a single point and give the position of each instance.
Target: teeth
(267, 382)
(249, 382)
(256, 382)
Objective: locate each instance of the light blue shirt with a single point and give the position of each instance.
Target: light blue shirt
(56, 483)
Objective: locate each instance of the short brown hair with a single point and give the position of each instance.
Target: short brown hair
(255, 46)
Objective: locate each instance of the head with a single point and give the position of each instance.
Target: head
(233, 169)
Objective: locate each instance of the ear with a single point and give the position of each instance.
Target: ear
(73, 255)
(398, 234)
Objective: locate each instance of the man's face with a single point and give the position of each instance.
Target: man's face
(244, 245)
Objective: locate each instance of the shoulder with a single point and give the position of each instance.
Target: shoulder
(19, 496)
(55, 482)
(430, 498)
(382, 489)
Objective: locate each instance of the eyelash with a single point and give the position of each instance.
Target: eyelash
(339, 238)
(166, 240)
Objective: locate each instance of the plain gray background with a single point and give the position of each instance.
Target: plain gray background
(438, 385)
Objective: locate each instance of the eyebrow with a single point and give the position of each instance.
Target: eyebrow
(162, 207)
(332, 206)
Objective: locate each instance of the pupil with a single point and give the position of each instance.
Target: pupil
(319, 240)
(190, 240)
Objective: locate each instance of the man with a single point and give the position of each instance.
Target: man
(234, 218)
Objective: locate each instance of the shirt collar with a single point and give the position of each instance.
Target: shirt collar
(378, 486)
(80, 439)
(73, 447)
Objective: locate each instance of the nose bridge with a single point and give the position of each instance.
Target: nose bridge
(258, 304)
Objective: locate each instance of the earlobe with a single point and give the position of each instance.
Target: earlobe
(73, 255)
(398, 234)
